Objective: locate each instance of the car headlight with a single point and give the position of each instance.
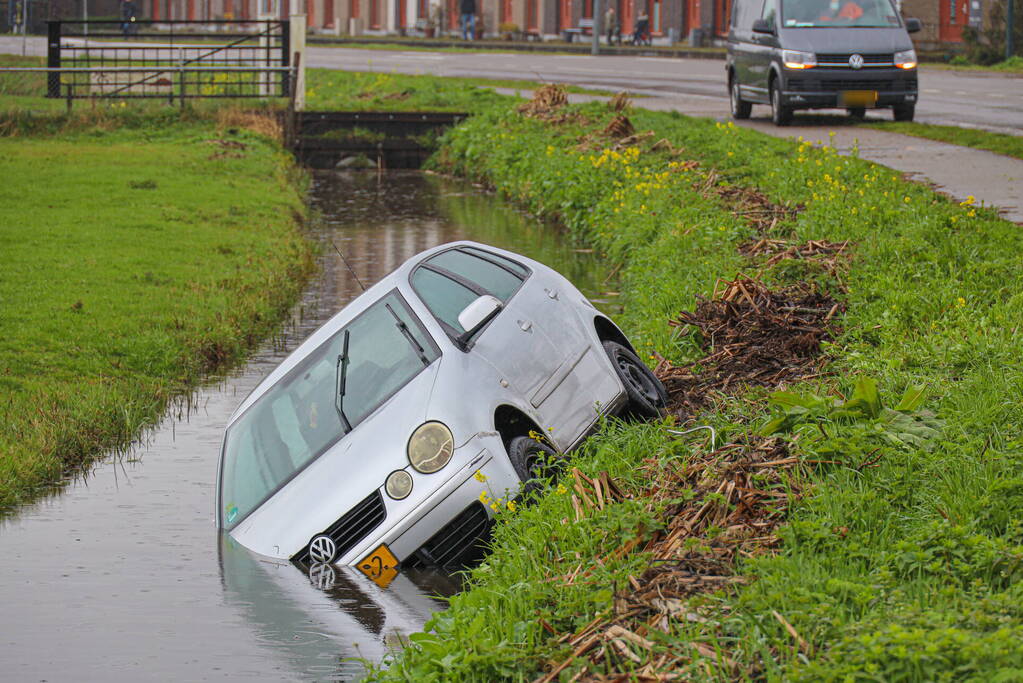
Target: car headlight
(398, 484)
(430, 447)
(905, 59)
(794, 59)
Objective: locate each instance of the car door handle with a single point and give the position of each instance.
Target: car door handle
(551, 293)
(525, 325)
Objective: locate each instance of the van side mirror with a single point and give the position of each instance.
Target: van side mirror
(474, 316)
(913, 25)
(763, 26)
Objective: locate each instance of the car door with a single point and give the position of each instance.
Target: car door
(534, 342)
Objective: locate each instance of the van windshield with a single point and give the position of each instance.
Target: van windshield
(297, 419)
(839, 14)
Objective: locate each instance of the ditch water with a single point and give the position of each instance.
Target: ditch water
(122, 576)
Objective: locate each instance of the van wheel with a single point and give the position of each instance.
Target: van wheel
(903, 112)
(858, 113)
(533, 460)
(647, 396)
(780, 114)
(740, 108)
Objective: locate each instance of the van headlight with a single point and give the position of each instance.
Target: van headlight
(905, 59)
(398, 484)
(430, 447)
(794, 59)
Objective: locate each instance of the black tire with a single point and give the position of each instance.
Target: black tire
(533, 460)
(903, 112)
(740, 108)
(647, 396)
(858, 113)
(780, 114)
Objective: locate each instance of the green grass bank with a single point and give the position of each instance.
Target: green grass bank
(140, 254)
(900, 557)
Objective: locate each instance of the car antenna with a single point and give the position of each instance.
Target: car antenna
(348, 265)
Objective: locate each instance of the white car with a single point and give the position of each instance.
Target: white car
(378, 440)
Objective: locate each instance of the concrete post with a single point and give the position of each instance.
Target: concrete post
(298, 57)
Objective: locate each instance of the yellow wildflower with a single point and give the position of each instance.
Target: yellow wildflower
(479, 476)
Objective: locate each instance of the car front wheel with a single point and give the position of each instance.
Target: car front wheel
(740, 108)
(533, 460)
(780, 114)
(647, 396)
(903, 112)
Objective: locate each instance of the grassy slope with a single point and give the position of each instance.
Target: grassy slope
(905, 571)
(134, 262)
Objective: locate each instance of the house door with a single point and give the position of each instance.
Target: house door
(953, 15)
(402, 16)
(532, 16)
(628, 13)
(374, 14)
(564, 14)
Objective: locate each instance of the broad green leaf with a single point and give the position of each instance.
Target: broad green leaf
(912, 399)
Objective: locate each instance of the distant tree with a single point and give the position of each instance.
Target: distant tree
(987, 46)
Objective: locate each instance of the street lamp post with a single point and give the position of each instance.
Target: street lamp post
(1009, 47)
(597, 27)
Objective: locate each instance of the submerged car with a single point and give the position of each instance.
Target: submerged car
(451, 382)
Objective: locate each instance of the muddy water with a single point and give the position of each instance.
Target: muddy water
(123, 576)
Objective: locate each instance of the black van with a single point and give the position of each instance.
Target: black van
(817, 54)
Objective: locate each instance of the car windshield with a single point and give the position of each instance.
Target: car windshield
(297, 418)
(839, 13)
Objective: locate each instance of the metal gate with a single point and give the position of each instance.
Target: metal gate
(169, 59)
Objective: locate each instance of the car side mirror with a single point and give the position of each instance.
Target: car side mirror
(913, 25)
(474, 316)
(763, 26)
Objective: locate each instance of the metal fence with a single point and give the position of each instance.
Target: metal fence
(174, 60)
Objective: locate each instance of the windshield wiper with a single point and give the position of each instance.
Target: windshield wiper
(408, 335)
(342, 374)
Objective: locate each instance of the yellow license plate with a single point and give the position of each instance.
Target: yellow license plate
(857, 98)
(380, 565)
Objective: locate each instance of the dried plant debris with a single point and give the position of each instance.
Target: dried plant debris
(753, 336)
(620, 128)
(734, 498)
(832, 255)
(548, 101)
(748, 204)
(620, 102)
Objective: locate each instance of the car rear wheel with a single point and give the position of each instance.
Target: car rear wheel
(903, 112)
(780, 114)
(647, 396)
(740, 108)
(533, 460)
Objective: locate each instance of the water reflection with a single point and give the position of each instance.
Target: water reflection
(122, 576)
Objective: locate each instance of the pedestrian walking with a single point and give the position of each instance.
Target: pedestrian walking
(129, 11)
(468, 9)
(641, 36)
(613, 28)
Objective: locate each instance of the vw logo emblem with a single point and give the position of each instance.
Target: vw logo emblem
(322, 550)
(856, 61)
(323, 576)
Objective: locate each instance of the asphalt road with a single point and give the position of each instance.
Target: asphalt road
(696, 87)
(971, 99)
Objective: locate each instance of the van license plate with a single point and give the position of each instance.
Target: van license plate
(380, 565)
(857, 98)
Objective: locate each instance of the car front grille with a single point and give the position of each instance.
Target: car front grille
(462, 541)
(354, 526)
(842, 59)
(839, 84)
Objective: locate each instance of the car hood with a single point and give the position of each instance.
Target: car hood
(341, 477)
(839, 40)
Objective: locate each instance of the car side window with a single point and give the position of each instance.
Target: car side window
(443, 296)
(492, 276)
(744, 13)
(770, 11)
(451, 280)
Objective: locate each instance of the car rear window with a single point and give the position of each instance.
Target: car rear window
(495, 277)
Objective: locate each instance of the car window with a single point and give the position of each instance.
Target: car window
(443, 296)
(453, 279)
(491, 276)
(770, 11)
(744, 12)
(296, 420)
(832, 13)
